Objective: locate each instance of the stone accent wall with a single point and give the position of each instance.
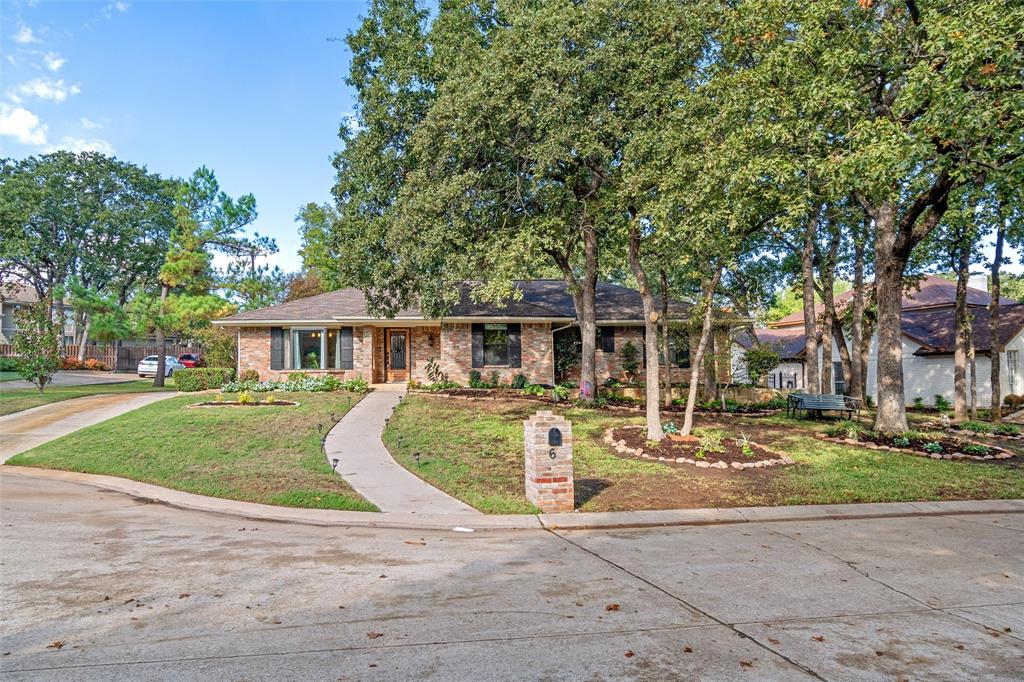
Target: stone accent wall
(456, 356)
(549, 481)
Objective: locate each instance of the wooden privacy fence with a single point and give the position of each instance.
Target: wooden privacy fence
(119, 358)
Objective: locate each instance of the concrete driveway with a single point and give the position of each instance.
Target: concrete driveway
(96, 585)
(70, 378)
(24, 430)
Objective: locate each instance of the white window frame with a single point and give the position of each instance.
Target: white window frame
(296, 362)
(1012, 358)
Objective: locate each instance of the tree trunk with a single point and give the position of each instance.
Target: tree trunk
(812, 381)
(698, 356)
(963, 326)
(845, 359)
(889, 268)
(858, 365)
(974, 371)
(710, 371)
(84, 339)
(993, 319)
(665, 339)
(161, 353)
(654, 431)
(865, 354)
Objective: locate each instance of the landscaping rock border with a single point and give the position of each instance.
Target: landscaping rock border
(235, 403)
(937, 426)
(621, 447)
(1003, 452)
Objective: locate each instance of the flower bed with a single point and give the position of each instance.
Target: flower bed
(915, 443)
(251, 403)
(708, 451)
(307, 384)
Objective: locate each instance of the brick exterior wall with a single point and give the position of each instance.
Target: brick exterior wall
(549, 481)
(254, 353)
(610, 364)
(538, 358)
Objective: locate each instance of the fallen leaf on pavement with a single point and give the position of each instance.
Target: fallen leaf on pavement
(687, 650)
(630, 654)
(374, 635)
(184, 595)
(746, 664)
(415, 542)
(612, 607)
(817, 638)
(773, 640)
(59, 644)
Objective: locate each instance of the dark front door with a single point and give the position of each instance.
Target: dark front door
(398, 354)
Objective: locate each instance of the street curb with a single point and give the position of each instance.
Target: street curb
(567, 521)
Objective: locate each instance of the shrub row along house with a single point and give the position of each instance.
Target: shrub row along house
(929, 336)
(335, 333)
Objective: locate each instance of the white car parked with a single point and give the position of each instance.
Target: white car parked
(147, 368)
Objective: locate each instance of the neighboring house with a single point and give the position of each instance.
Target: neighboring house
(929, 324)
(13, 297)
(334, 333)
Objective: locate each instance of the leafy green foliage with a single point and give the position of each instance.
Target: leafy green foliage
(941, 403)
(299, 383)
(191, 379)
(918, 403)
(533, 390)
(978, 427)
(630, 359)
(37, 343)
(760, 360)
(932, 447)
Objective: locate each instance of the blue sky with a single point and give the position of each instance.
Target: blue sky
(253, 90)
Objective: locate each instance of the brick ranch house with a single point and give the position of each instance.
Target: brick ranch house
(334, 333)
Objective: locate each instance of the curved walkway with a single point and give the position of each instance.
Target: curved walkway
(368, 467)
(24, 430)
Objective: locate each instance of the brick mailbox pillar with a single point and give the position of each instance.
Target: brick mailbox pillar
(548, 448)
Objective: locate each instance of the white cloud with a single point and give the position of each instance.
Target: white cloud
(22, 125)
(53, 61)
(112, 7)
(43, 88)
(73, 144)
(89, 124)
(24, 36)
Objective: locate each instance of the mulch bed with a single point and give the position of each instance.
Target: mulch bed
(632, 440)
(235, 403)
(952, 448)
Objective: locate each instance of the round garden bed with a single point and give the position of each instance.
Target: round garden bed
(236, 403)
(939, 447)
(632, 440)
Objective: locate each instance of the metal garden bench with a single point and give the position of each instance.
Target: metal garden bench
(806, 403)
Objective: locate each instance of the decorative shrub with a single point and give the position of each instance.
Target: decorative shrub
(1014, 401)
(670, 428)
(845, 428)
(8, 364)
(559, 393)
(296, 376)
(308, 384)
(474, 379)
(918, 403)
(96, 365)
(760, 360)
(1008, 430)
(245, 398)
(933, 447)
(630, 359)
(72, 363)
(519, 381)
(972, 449)
(977, 427)
(901, 442)
(710, 443)
(941, 403)
(534, 390)
(249, 375)
(201, 378)
(869, 401)
(495, 380)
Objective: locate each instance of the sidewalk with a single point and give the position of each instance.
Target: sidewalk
(368, 467)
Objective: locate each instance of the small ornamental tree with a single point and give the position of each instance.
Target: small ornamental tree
(630, 360)
(37, 343)
(760, 360)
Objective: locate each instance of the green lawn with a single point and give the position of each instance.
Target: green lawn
(8, 376)
(19, 399)
(474, 451)
(256, 454)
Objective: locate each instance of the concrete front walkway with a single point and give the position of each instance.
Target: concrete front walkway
(24, 430)
(368, 467)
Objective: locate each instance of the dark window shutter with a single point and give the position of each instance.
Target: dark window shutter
(478, 345)
(276, 348)
(607, 339)
(345, 336)
(515, 346)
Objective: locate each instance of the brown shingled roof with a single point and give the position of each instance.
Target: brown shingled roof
(930, 292)
(935, 329)
(541, 298)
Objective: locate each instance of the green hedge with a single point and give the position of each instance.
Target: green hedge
(8, 364)
(202, 378)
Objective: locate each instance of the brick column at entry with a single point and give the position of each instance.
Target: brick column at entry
(548, 450)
